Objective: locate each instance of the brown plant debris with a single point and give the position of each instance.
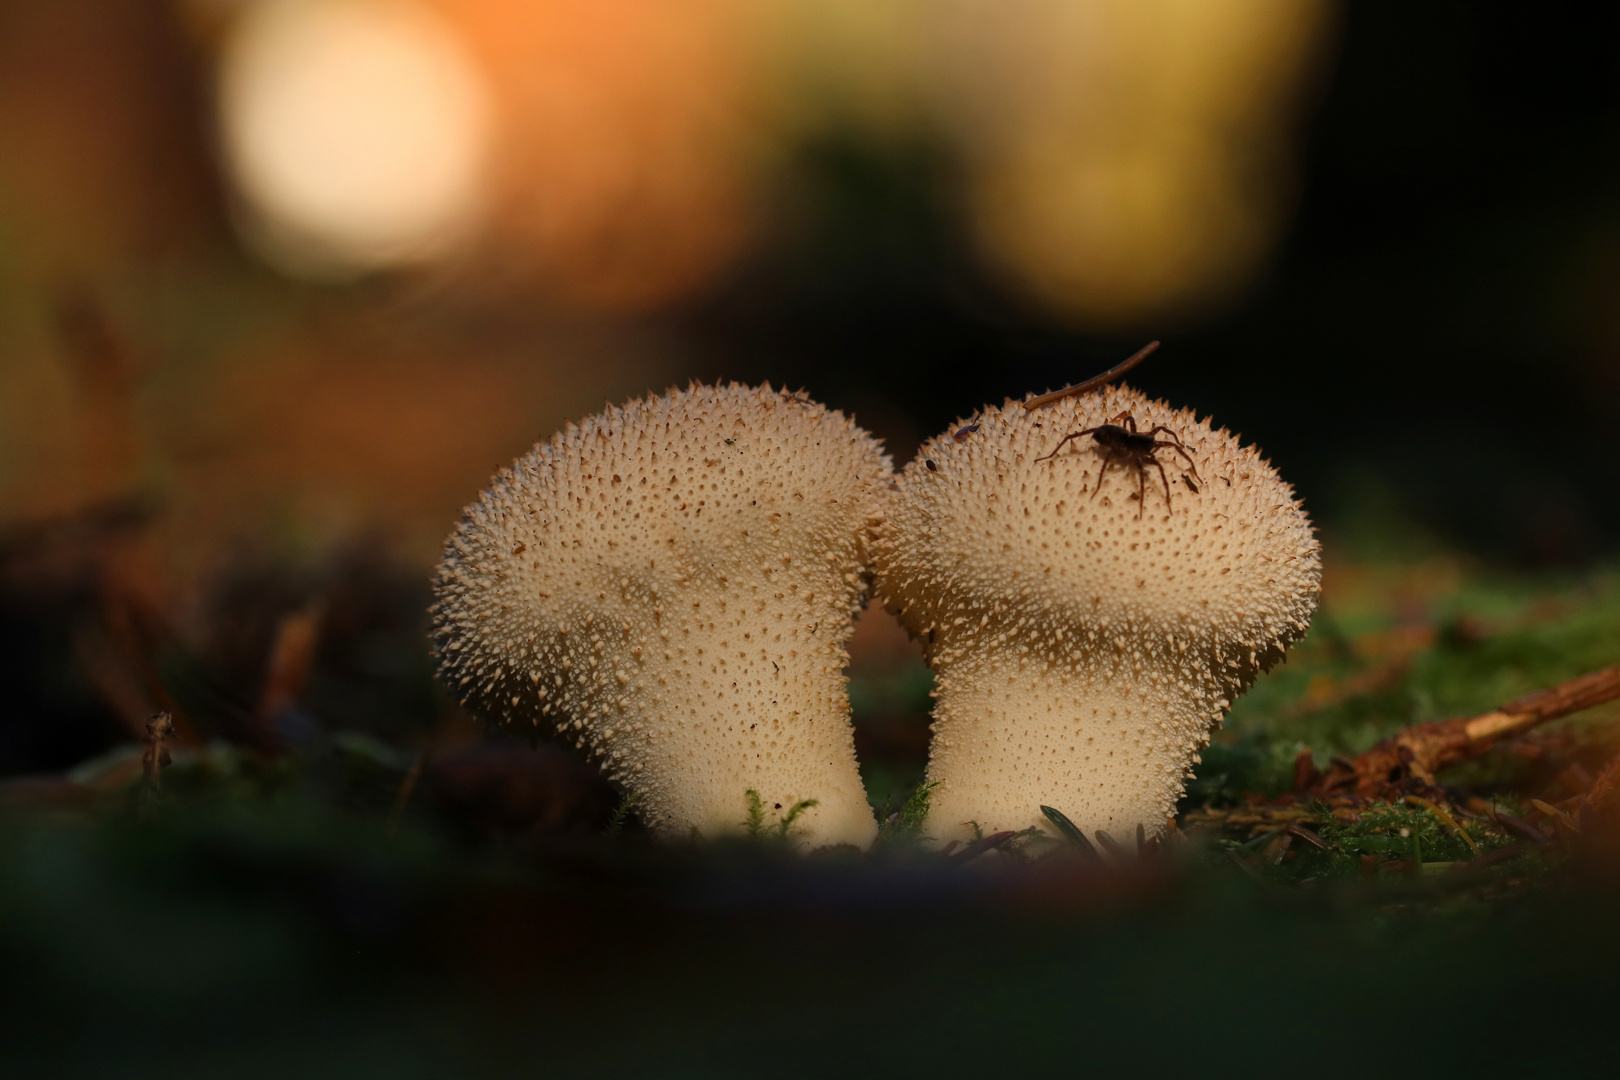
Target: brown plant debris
(1421, 749)
(1095, 381)
(159, 730)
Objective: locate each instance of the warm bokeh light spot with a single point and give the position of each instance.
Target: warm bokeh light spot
(356, 132)
(1122, 161)
(1128, 160)
(621, 178)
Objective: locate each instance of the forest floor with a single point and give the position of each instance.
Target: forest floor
(266, 886)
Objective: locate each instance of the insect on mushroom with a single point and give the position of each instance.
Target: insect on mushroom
(1134, 449)
(1082, 653)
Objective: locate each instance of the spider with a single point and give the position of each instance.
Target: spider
(1127, 445)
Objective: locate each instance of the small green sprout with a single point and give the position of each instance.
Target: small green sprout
(627, 804)
(905, 825)
(754, 824)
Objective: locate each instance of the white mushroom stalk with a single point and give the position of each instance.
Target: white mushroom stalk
(672, 584)
(1089, 617)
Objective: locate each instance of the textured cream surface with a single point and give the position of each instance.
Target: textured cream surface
(673, 583)
(1083, 653)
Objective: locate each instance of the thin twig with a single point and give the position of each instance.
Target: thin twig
(978, 847)
(1521, 828)
(1296, 829)
(407, 787)
(1445, 817)
(1423, 748)
(1095, 381)
(158, 729)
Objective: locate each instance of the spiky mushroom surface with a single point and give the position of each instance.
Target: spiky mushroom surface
(673, 584)
(1086, 638)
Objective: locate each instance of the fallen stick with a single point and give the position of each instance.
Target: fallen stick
(1095, 381)
(1423, 748)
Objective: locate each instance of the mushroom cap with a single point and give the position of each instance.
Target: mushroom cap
(991, 544)
(673, 582)
(1087, 637)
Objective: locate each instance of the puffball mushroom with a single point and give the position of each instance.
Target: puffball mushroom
(673, 583)
(1085, 639)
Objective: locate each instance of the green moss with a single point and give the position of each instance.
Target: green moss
(757, 827)
(1383, 839)
(754, 823)
(905, 825)
(1363, 675)
(622, 812)
(792, 815)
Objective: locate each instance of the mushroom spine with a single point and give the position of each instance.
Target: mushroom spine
(1086, 639)
(672, 585)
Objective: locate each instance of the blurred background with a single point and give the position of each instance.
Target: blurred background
(282, 282)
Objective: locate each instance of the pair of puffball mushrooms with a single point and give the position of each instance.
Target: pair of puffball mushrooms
(672, 584)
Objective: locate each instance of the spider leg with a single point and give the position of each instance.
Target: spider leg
(1141, 490)
(1180, 450)
(1167, 431)
(1166, 480)
(1107, 461)
(1061, 444)
(1064, 440)
(1130, 421)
